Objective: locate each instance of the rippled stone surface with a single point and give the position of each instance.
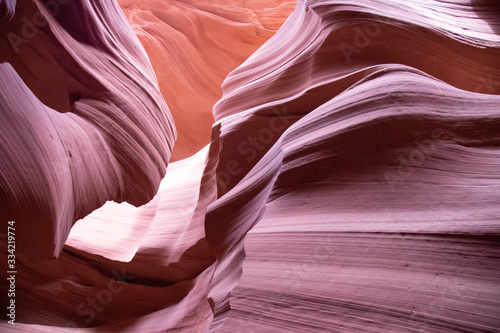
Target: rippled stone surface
(350, 182)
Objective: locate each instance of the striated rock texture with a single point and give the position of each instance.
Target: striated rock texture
(83, 123)
(366, 172)
(193, 45)
(351, 182)
(82, 119)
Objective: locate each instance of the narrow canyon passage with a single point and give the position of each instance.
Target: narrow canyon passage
(250, 166)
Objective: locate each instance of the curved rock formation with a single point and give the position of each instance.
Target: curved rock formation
(193, 45)
(83, 122)
(82, 119)
(351, 182)
(367, 164)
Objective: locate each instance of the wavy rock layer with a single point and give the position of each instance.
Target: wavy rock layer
(193, 45)
(123, 268)
(351, 183)
(367, 163)
(83, 122)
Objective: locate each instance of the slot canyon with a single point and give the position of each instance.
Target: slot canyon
(250, 166)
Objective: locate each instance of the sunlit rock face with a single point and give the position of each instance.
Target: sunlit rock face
(350, 182)
(193, 45)
(84, 122)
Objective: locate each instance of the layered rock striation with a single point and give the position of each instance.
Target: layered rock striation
(350, 182)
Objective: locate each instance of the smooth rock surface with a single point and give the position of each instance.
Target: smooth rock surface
(351, 182)
(366, 173)
(193, 45)
(82, 119)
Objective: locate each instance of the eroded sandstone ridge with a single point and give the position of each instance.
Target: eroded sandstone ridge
(351, 181)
